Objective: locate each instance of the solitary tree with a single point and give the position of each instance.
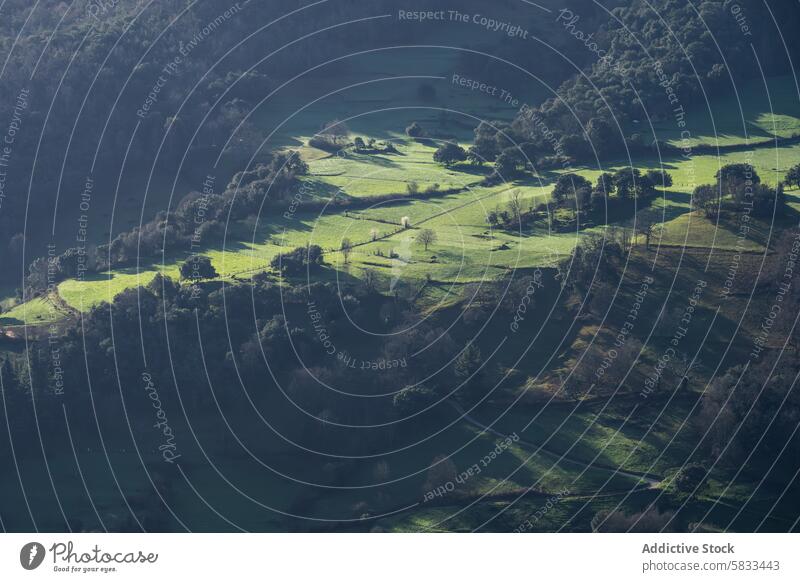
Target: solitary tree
(449, 154)
(198, 267)
(359, 143)
(515, 206)
(426, 237)
(793, 177)
(346, 248)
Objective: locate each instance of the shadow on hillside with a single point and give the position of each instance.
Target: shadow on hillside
(377, 160)
(665, 214)
(318, 189)
(471, 169)
(762, 230)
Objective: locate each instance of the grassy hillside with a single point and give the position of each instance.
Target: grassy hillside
(467, 249)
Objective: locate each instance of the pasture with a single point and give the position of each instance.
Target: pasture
(466, 249)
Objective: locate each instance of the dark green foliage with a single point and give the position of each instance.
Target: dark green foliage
(594, 260)
(449, 154)
(750, 415)
(659, 178)
(575, 146)
(414, 399)
(164, 287)
(690, 478)
(741, 184)
(625, 182)
(415, 130)
(631, 183)
(198, 267)
(737, 181)
(484, 148)
(673, 51)
(509, 164)
(605, 184)
(602, 137)
(705, 197)
(793, 177)
(571, 187)
(767, 199)
(468, 362)
(298, 260)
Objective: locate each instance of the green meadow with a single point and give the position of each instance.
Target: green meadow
(382, 222)
(466, 249)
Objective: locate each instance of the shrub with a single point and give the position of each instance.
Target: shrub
(415, 130)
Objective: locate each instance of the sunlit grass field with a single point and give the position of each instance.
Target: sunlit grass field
(37, 311)
(466, 249)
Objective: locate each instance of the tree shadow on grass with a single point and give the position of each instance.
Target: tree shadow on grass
(376, 160)
(762, 230)
(472, 169)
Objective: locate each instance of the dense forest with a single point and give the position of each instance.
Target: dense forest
(309, 368)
